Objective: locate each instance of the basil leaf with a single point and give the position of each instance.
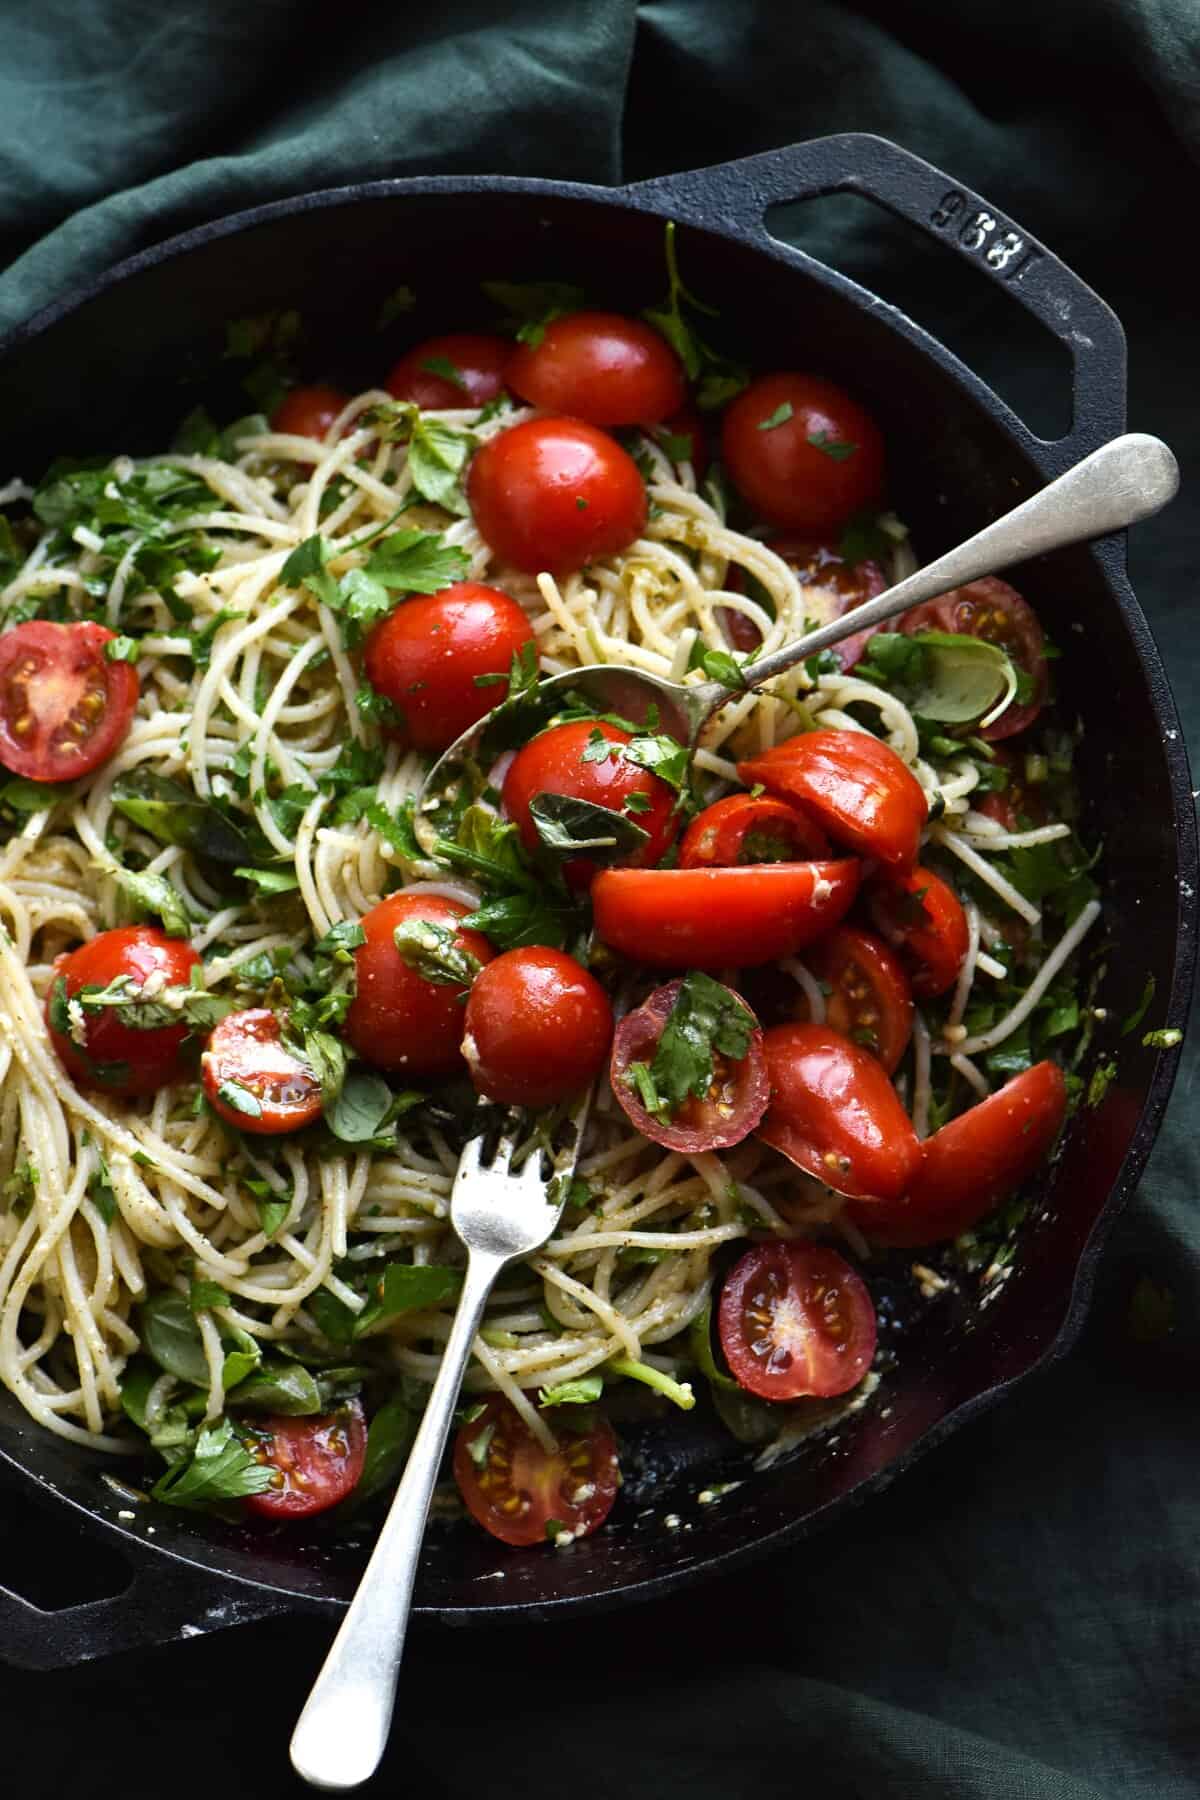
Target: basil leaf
(139, 1377)
(240, 1099)
(206, 1294)
(305, 567)
(154, 894)
(171, 1336)
(437, 455)
(287, 1388)
(270, 881)
(430, 949)
(175, 814)
(242, 1356)
(400, 1288)
(961, 678)
(389, 1439)
(663, 756)
(360, 1108)
(570, 827)
(326, 1057)
(219, 1468)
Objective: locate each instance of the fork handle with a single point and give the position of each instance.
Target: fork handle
(340, 1736)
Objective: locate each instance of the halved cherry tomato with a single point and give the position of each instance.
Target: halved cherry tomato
(972, 1163)
(316, 1462)
(537, 1028)
(514, 1488)
(555, 494)
(479, 362)
(563, 760)
(992, 610)
(309, 411)
(247, 1051)
(796, 1319)
(64, 708)
(687, 425)
(749, 828)
(427, 656)
(115, 1056)
(398, 1019)
(839, 586)
(869, 999)
(801, 451)
(835, 1114)
(922, 917)
(720, 918)
(601, 367)
(733, 1105)
(854, 785)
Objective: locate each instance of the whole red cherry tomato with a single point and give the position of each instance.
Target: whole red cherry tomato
(720, 918)
(64, 707)
(537, 1028)
(309, 411)
(427, 657)
(854, 785)
(564, 760)
(601, 367)
(555, 494)
(515, 1489)
(868, 998)
(400, 1019)
(795, 1319)
(923, 918)
(750, 828)
(729, 1111)
(315, 1462)
(802, 452)
(991, 610)
(253, 1080)
(113, 1055)
(464, 368)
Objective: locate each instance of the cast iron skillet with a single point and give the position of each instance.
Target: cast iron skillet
(116, 365)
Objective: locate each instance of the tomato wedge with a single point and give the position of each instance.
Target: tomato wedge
(835, 1114)
(869, 999)
(316, 1462)
(796, 1319)
(729, 1111)
(720, 918)
(854, 785)
(64, 708)
(515, 1489)
(922, 917)
(750, 828)
(972, 1163)
(253, 1080)
(992, 610)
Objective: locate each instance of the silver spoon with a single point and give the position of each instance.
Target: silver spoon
(1115, 486)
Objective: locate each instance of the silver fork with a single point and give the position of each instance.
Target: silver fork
(341, 1734)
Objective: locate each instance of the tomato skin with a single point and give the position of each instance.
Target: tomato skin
(152, 1058)
(397, 1019)
(602, 367)
(309, 411)
(64, 708)
(750, 828)
(930, 933)
(972, 1163)
(426, 656)
(795, 1319)
(480, 359)
(319, 1461)
(708, 1124)
(788, 479)
(555, 494)
(870, 1000)
(720, 918)
(246, 1047)
(553, 763)
(537, 1028)
(836, 1115)
(687, 423)
(520, 1487)
(992, 610)
(854, 785)
(818, 563)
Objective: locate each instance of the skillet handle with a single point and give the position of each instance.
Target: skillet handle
(164, 1602)
(737, 194)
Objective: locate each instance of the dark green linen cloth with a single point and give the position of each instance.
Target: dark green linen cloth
(1019, 1618)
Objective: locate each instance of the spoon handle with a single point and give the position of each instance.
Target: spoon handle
(340, 1736)
(1115, 486)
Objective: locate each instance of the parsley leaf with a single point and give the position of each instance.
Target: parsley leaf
(664, 756)
(219, 1468)
(719, 379)
(780, 416)
(706, 1021)
(417, 562)
(718, 665)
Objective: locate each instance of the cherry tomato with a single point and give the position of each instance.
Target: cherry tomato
(309, 411)
(398, 1019)
(733, 1105)
(991, 610)
(720, 918)
(795, 1319)
(427, 656)
(246, 1048)
(748, 828)
(317, 1462)
(922, 917)
(835, 1114)
(802, 452)
(555, 494)
(972, 1163)
(562, 761)
(854, 785)
(113, 1055)
(601, 367)
(64, 708)
(842, 586)
(537, 1028)
(479, 362)
(686, 425)
(514, 1488)
(869, 998)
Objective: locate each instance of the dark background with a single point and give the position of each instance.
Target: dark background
(1019, 1618)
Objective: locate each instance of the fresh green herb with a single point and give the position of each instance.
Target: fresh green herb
(402, 1287)
(717, 377)
(240, 1099)
(1165, 1038)
(406, 562)
(25, 797)
(705, 1021)
(718, 665)
(270, 881)
(204, 636)
(219, 1468)
(700, 1345)
(101, 1192)
(568, 826)
(280, 1387)
(580, 1392)
(171, 1336)
(864, 540)
(19, 1189)
(128, 1001)
(361, 1108)
(273, 1206)
(430, 949)
(175, 814)
(203, 1295)
(661, 755)
(531, 305)
(780, 416)
(1103, 1076)
(377, 707)
(1141, 1009)
(122, 649)
(401, 300)
(389, 1439)
(831, 447)
(442, 366)
(155, 895)
(944, 676)
(326, 1057)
